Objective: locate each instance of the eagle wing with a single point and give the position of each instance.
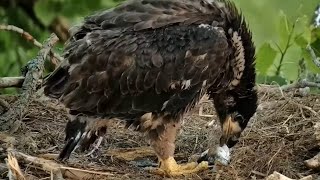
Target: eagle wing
(143, 56)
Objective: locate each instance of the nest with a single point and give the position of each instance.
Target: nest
(278, 138)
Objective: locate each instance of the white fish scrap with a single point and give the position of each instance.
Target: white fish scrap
(223, 155)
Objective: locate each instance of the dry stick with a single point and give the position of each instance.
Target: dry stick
(300, 84)
(14, 170)
(277, 176)
(56, 169)
(4, 104)
(6, 82)
(57, 58)
(11, 119)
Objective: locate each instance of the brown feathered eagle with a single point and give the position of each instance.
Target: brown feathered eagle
(148, 62)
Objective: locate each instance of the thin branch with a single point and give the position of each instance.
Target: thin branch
(55, 58)
(14, 170)
(11, 119)
(277, 176)
(23, 33)
(58, 171)
(314, 57)
(6, 82)
(283, 53)
(4, 106)
(300, 84)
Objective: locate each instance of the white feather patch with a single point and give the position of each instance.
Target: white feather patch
(238, 63)
(72, 67)
(88, 41)
(164, 105)
(204, 83)
(205, 26)
(186, 84)
(77, 138)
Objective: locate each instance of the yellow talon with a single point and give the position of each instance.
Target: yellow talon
(170, 167)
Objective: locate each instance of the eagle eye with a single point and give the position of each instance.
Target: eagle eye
(239, 118)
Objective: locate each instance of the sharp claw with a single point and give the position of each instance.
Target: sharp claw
(169, 167)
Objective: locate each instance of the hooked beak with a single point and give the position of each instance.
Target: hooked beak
(231, 132)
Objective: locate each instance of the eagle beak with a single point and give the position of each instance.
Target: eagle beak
(231, 132)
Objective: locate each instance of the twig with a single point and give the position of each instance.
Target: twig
(277, 176)
(258, 173)
(283, 53)
(305, 107)
(70, 169)
(6, 82)
(11, 119)
(4, 104)
(56, 58)
(14, 170)
(58, 171)
(300, 84)
(23, 33)
(314, 57)
(3, 168)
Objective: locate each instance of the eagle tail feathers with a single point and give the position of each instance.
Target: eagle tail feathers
(82, 132)
(55, 82)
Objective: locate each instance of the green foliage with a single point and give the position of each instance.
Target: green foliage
(282, 30)
(265, 58)
(47, 10)
(15, 51)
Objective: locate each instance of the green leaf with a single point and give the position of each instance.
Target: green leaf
(302, 28)
(265, 58)
(74, 8)
(47, 10)
(284, 29)
(290, 64)
(301, 41)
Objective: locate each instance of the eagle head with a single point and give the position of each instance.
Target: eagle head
(234, 111)
(236, 105)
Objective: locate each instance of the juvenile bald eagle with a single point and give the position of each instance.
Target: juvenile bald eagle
(148, 62)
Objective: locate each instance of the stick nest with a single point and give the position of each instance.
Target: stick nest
(278, 138)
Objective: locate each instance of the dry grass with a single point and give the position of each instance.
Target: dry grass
(278, 138)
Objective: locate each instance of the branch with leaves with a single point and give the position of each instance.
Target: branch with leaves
(55, 58)
(34, 71)
(304, 83)
(284, 51)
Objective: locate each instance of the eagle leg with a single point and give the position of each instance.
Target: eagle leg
(162, 139)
